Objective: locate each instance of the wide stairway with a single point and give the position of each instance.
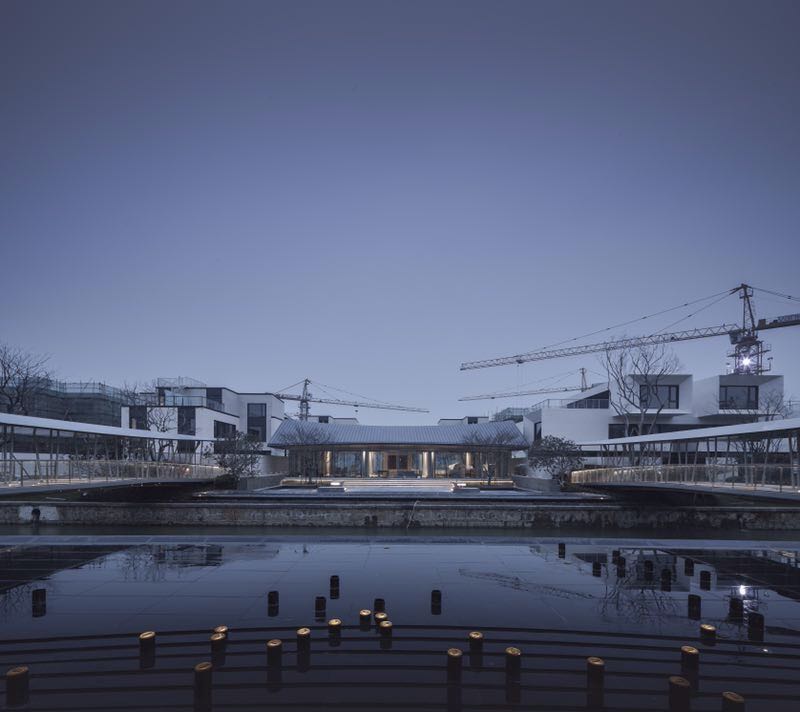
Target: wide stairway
(352, 484)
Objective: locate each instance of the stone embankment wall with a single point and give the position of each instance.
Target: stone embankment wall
(402, 515)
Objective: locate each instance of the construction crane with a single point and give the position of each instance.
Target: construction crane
(748, 350)
(306, 397)
(536, 391)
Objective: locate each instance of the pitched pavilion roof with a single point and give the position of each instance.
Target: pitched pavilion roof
(296, 433)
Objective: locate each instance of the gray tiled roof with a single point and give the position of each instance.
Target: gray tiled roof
(504, 434)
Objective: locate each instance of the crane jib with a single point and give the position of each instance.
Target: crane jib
(617, 344)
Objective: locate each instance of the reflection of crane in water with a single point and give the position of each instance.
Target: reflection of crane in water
(518, 584)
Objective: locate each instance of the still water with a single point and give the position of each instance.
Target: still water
(72, 607)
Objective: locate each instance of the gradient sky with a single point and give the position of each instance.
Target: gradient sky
(369, 193)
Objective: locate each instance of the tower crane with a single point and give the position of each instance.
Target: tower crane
(536, 391)
(306, 397)
(748, 350)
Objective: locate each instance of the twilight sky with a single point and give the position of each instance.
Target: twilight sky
(369, 193)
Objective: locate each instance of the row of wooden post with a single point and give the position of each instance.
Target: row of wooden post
(17, 679)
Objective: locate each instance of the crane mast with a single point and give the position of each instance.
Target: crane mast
(748, 350)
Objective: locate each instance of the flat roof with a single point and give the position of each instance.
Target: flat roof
(760, 428)
(299, 433)
(70, 426)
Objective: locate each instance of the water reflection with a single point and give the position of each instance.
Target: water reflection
(557, 601)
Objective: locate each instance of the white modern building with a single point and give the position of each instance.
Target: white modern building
(188, 407)
(678, 402)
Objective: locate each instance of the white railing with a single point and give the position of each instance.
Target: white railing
(734, 476)
(20, 473)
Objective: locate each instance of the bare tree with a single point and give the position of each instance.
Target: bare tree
(158, 416)
(23, 377)
(490, 450)
(771, 406)
(238, 454)
(637, 379)
(556, 456)
(303, 440)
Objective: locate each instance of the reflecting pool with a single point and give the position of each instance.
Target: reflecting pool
(72, 609)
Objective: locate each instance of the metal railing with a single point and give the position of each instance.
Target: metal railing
(581, 404)
(171, 400)
(733, 476)
(22, 473)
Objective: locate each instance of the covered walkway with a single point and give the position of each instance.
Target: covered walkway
(740, 459)
(43, 451)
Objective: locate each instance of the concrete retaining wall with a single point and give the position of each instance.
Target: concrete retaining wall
(260, 482)
(401, 515)
(535, 484)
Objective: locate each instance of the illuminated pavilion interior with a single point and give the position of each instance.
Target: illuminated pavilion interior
(354, 450)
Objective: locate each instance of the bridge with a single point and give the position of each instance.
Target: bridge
(749, 460)
(743, 481)
(43, 453)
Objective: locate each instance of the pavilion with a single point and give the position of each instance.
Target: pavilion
(352, 450)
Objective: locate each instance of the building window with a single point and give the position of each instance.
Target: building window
(137, 417)
(738, 397)
(324, 419)
(656, 397)
(257, 421)
(223, 430)
(186, 420)
(471, 420)
(537, 430)
(616, 430)
(186, 446)
(215, 396)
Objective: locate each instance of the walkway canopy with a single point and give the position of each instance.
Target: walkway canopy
(783, 428)
(768, 445)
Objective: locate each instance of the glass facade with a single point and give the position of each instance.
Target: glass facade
(137, 417)
(186, 420)
(658, 396)
(738, 397)
(223, 430)
(257, 421)
(214, 395)
(399, 463)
